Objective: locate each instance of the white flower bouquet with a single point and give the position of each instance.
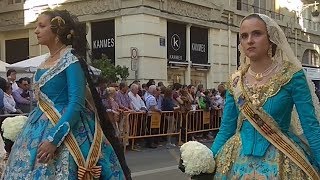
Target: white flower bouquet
(12, 126)
(197, 160)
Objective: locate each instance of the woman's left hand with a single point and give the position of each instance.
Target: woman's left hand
(46, 152)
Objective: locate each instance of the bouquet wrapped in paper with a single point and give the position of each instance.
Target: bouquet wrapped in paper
(12, 126)
(197, 161)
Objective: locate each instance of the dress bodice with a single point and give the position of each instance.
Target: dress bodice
(56, 88)
(279, 107)
(63, 87)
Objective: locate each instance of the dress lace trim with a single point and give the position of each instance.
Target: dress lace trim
(273, 86)
(51, 138)
(66, 60)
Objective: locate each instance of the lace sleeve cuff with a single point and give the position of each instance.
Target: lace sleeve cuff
(58, 134)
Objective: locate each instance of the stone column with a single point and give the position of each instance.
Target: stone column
(187, 75)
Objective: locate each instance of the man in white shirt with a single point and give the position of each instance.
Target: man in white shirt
(151, 104)
(136, 101)
(8, 101)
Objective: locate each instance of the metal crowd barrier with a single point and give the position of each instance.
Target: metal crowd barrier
(145, 125)
(140, 125)
(201, 121)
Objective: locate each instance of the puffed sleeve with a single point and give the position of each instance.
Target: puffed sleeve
(76, 92)
(228, 124)
(303, 101)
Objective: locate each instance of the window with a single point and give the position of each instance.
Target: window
(259, 6)
(15, 1)
(311, 58)
(17, 50)
(307, 19)
(275, 9)
(242, 5)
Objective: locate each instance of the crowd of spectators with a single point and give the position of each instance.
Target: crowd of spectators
(150, 97)
(16, 96)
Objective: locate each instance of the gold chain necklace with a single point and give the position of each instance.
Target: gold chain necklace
(52, 55)
(47, 63)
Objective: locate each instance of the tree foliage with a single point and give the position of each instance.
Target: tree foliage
(109, 71)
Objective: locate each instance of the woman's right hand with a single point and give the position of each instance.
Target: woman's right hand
(46, 152)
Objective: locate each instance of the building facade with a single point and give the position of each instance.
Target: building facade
(185, 41)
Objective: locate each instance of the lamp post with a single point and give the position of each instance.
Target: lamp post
(298, 6)
(314, 14)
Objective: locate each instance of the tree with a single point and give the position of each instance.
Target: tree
(109, 71)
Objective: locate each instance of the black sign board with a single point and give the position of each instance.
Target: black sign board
(176, 38)
(17, 50)
(199, 45)
(103, 39)
(162, 41)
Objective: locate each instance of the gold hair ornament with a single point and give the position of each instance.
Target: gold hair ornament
(57, 22)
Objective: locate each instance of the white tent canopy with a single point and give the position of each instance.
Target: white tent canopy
(3, 70)
(31, 65)
(28, 65)
(3, 66)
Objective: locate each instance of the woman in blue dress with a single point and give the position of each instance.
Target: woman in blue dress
(261, 136)
(62, 138)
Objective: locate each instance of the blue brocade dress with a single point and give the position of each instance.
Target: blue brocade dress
(244, 153)
(64, 86)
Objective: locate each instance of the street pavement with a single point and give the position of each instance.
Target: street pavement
(156, 164)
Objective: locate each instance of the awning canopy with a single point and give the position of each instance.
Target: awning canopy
(31, 65)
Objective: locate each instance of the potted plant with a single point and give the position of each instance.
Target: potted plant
(109, 70)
